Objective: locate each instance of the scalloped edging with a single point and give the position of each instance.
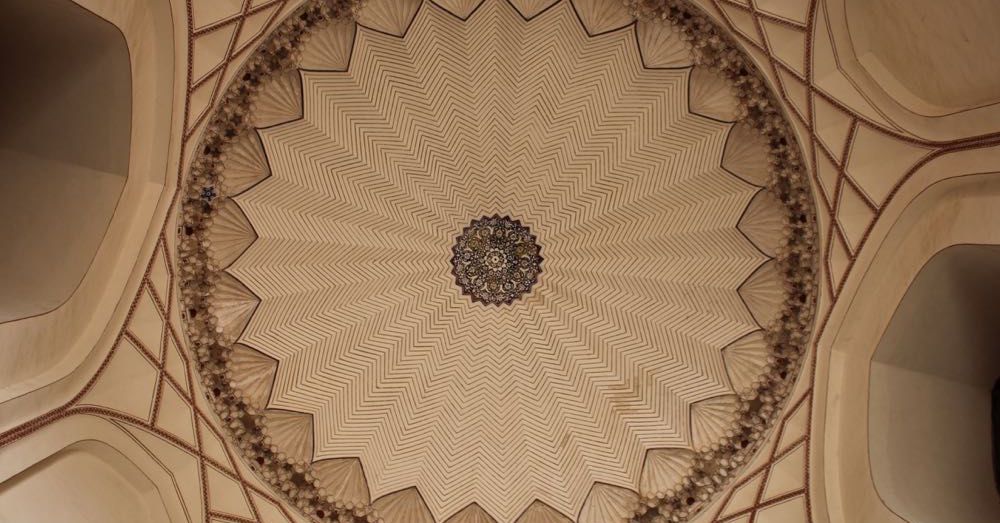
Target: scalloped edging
(713, 466)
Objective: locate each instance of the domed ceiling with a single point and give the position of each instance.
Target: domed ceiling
(508, 260)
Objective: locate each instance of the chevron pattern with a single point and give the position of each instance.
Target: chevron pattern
(792, 36)
(556, 120)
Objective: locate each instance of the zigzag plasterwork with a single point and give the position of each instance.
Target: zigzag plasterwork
(599, 363)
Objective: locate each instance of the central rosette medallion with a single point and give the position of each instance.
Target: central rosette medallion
(496, 260)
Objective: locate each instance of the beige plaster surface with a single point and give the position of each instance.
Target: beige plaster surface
(58, 355)
(955, 211)
(44, 348)
(66, 110)
(95, 484)
(931, 381)
(934, 56)
(890, 52)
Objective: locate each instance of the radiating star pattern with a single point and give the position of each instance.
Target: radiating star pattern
(440, 120)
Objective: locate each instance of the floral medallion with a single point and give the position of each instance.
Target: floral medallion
(496, 260)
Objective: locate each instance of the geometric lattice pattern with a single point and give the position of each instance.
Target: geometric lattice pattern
(790, 38)
(858, 158)
(439, 120)
(162, 411)
(774, 490)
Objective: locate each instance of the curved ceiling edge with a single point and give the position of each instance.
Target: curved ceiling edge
(39, 353)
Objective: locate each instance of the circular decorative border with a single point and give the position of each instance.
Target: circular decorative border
(712, 468)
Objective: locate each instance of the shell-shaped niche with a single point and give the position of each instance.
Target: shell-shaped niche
(664, 469)
(404, 506)
(245, 164)
(343, 479)
(233, 305)
(389, 16)
(461, 9)
(711, 418)
(601, 16)
(329, 48)
(292, 432)
(231, 234)
(764, 221)
(471, 514)
(279, 101)
(763, 292)
(539, 512)
(608, 504)
(746, 155)
(712, 95)
(745, 360)
(253, 373)
(661, 45)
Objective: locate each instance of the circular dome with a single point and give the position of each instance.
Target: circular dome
(345, 252)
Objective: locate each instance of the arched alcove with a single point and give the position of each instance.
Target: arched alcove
(951, 204)
(933, 57)
(86, 482)
(91, 91)
(64, 147)
(931, 384)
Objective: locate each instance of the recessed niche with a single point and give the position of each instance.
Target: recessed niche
(66, 107)
(87, 482)
(932, 375)
(933, 57)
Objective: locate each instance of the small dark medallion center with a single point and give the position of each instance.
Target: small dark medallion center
(496, 260)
